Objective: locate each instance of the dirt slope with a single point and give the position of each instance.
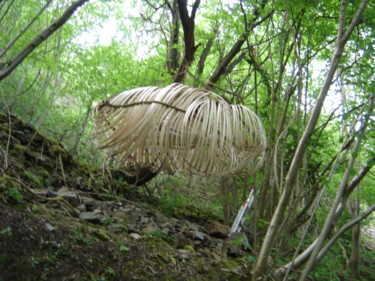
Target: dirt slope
(60, 220)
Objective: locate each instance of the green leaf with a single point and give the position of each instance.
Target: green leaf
(123, 248)
(371, 162)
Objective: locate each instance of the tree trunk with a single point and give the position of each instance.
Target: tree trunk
(224, 63)
(188, 25)
(261, 264)
(353, 207)
(82, 129)
(5, 71)
(173, 54)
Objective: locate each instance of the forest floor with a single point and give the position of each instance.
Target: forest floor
(61, 220)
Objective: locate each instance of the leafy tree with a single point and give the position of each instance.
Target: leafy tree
(282, 59)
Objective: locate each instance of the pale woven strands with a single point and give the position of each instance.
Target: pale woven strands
(180, 128)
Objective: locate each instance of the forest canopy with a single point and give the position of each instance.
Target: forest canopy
(305, 68)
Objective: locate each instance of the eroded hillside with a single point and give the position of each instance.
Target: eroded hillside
(61, 220)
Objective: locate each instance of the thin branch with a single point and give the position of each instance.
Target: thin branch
(107, 103)
(274, 227)
(30, 86)
(12, 41)
(334, 213)
(7, 10)
(41, 38)
(343, 229)
(301, 258)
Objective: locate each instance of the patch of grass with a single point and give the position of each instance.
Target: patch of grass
(124, 248)
(6, 231)
(163, 236)
(15, 195)
(79, 238)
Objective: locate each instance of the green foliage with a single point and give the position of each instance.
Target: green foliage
(161, 234)
(6, 231)
(171, 203)
(79, 238)
(124, 248)
(15, 195)
(59, 84)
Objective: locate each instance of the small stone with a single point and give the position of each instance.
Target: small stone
(144, 220)
(193, 226)
(150, 228)
(234, 251)
(183, 242)
(91, 217)
(184, 254)
(132, 228)
(160, 218)
(50, 227)
(81, 208)
(198, 235)
(106, 209)
(116, 228)
(135, 236)
(123, 217)
(90, 203)
(44, 192)
(218, 230)
(166, 225)
(70, 196)
(166, 230)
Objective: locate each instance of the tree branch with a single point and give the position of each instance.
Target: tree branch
(292, 173)
(107, 103)
(221, 68)
(343, 229)
(41, 38)
(336, 210)
(298, 261)
(11, 42)
(188, 25)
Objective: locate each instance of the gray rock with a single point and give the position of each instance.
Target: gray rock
(183, 242)
(160, 218)
(81, 208)
(117, 228)
(44, 192)
(150, 228)
(123, 217)
(234, 251)
(218, 230)
(239, 239)
(184, 254)
(106, 209)
(90, 203)
(134, 216)
(132, 228)
(166, 230)
(166, 225)
(70, 196)
(92, 217)
(193, 226)
(198, 235)
(135, 236)
(50, 227)
(144, 220)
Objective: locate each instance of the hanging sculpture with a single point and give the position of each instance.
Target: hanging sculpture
(180, 128)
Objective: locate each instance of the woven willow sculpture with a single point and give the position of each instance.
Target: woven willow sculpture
(180, 128)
